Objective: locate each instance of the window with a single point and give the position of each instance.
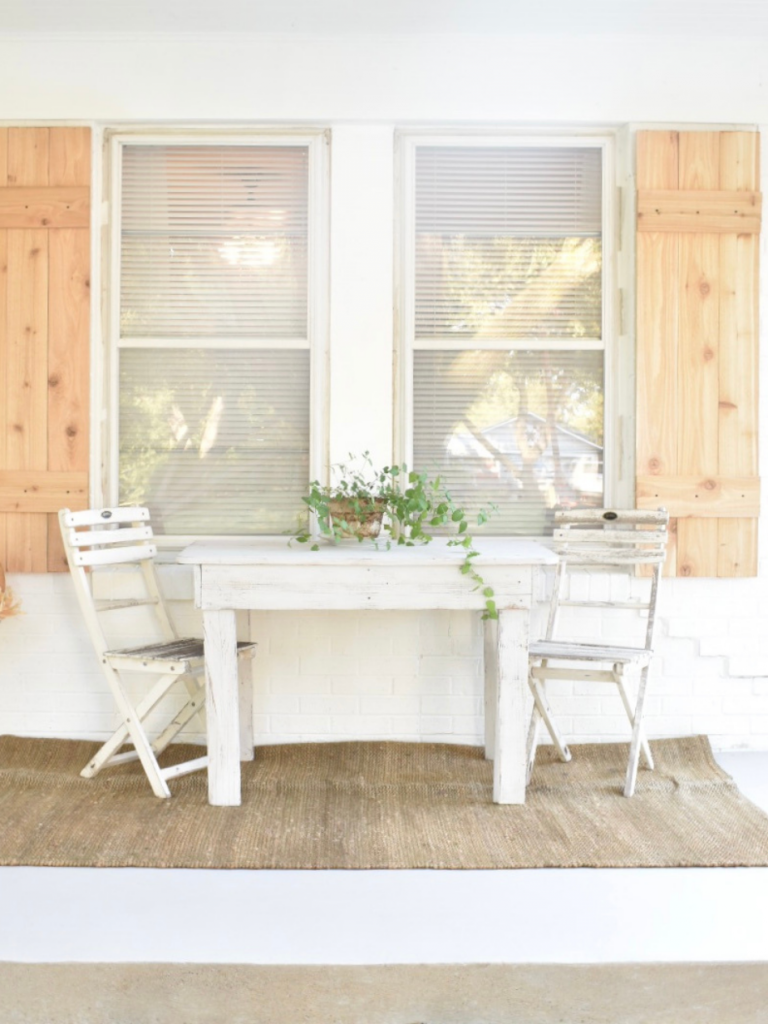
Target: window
(505, 285)
(216, 257)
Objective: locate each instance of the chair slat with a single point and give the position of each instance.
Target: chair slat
(123, 535)
(610, 537)
(580, 556)
(116, 604)
(115, 556)
(94, 516)
(623, 515)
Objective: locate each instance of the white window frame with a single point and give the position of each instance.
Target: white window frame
(317, 143)
(618, 358)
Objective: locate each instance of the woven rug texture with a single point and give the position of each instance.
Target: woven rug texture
(378, 805)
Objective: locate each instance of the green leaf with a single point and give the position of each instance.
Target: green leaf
(457, 515)
(463, 526)
(315, 547)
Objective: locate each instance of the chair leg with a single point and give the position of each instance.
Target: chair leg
(637, 735)
(133, 727)
(532, 742)
(543, 708)
(193, 707)
(648, 756)
(121, 735)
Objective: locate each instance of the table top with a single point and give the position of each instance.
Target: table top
(278, 551)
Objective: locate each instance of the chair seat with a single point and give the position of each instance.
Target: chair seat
(572, 651)
(182, 649)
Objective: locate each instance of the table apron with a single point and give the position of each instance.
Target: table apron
(334, 588)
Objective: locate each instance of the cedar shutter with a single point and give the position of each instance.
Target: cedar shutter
(44, 339)
(698, 221)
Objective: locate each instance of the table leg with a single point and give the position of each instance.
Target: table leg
(222, 711)
(511, 728)
(245, 681)
(491, 671)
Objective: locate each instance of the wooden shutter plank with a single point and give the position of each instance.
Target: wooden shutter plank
(699, 166)
(658, 268)
(28, 156)
(698, 355)
(68, 366)
(69, 344)
(27, 440)
(3, 157)
(27, 535)
(697, 543)
(70, 156)
(698, 350)
(739, 340)
(66, 206)
(658, 160)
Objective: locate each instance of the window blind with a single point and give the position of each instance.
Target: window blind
(508, 248)
(215, 441)
(519, 430)
(214, 241)
(213, 436)
(508, 242)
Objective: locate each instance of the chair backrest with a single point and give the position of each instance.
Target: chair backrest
(96, 539)
(612, 540)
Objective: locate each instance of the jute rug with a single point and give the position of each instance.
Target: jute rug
(378, 805)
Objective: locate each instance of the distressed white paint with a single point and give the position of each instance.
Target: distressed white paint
(266, 574)
(222, 706)
(511, 724)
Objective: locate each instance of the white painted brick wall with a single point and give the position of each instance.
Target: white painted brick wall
(336, 675)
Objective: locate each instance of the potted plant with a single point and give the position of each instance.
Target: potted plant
(406, 506)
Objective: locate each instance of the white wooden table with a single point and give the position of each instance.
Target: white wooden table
(267, 574)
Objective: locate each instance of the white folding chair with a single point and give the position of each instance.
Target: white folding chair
(99, 539)
(589, 540)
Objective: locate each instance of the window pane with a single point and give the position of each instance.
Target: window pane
(214, 241)
(521, 430)
(215, 442)
(508, 242)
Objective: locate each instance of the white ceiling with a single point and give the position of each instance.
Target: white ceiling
(652, 17)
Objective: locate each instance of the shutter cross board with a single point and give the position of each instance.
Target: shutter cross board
(697, 342)
(715, 212)
(44, 339)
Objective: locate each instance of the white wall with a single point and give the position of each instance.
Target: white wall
(368, 674)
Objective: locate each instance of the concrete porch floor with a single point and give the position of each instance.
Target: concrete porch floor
(403, 946)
